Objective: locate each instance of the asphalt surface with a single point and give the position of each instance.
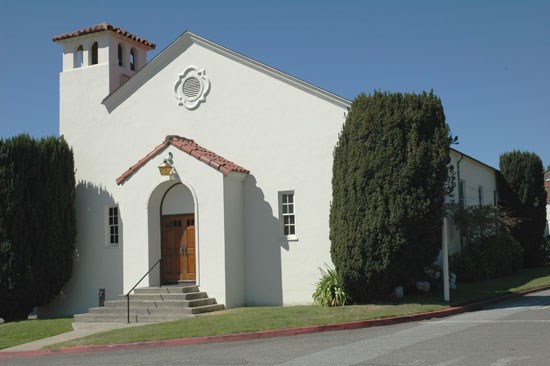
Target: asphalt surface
(512, 333)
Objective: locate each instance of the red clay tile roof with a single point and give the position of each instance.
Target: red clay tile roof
(105, 27)
(190, 147)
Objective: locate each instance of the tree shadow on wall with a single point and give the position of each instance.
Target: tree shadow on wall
(97, 263)
(263, 248)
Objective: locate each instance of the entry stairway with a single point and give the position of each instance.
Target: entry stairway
(154, 304)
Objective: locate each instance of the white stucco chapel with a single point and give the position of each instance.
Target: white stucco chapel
(243, 208)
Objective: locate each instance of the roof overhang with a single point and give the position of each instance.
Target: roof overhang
(190, 147)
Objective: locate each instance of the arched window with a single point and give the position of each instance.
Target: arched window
(120, 54)
(79, 57)
(94, 54)
(133, 59)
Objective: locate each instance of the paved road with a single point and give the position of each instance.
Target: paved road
(513, 333)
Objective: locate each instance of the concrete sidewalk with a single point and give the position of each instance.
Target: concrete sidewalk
(79, 330)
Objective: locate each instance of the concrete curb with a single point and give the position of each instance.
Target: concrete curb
(276, 333)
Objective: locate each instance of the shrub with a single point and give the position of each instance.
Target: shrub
(521, 190)
(546, 250)
(494, 256)
(329, 290)
(37, 222)
(388, 186)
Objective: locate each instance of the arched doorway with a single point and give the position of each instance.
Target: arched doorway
(177, 229)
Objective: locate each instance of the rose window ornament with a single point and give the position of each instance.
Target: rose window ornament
(191, 87)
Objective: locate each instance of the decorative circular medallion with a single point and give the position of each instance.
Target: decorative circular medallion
(191, 87)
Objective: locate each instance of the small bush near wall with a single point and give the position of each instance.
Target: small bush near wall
(490, 250)
(547, 251)
(329, 290)
(494, 256)
(37, 222)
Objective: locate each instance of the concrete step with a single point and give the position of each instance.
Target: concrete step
(154, 304)
(160, 303)
(206, 308)
(134, 318)
(143, 311)
(166, 296)
(167, 290)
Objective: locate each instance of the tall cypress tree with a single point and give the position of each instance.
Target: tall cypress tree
(389, 176)
(37, 222)
(522, 193)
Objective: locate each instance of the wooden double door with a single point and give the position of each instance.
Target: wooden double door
(178, 248)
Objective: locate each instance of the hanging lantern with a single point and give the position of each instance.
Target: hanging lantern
(166, 168)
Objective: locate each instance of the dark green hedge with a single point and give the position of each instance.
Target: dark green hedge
(389, 177)
(37, 222)
(522, 194)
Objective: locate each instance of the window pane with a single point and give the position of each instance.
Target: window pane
(285, 198)
(291, 230)
(291, 209)
(290, 198)
(286, 230)
(285, 209)
(291, 219)
(286, 220)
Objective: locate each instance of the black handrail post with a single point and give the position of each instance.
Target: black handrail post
(138, 282)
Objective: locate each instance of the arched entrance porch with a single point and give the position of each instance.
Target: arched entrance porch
(173, 234)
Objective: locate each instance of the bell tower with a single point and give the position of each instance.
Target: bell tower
(96, 62)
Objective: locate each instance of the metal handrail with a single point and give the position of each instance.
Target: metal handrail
(128, 294)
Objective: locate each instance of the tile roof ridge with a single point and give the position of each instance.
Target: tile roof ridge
(101, 27)
(191, 148)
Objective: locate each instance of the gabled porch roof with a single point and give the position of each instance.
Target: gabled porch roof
(190, 147)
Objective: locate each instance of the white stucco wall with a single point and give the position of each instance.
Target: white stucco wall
(234, 240)
(283, 135)
(475, 175)
(178, 200)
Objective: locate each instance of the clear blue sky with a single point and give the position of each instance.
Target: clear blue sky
(489, 61)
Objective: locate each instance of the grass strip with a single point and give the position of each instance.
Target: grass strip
(251, 319)
(25, 331)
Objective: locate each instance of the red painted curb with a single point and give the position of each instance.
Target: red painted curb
(276, 333)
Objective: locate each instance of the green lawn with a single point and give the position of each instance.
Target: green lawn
(252, 319)
(14, 333)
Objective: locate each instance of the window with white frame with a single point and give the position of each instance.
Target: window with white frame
(480, 195)
(113, 235)
(287, 214)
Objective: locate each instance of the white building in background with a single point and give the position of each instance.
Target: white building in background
(244, 213)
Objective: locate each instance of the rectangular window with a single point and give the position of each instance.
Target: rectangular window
(287, 213)
(112, 226)
(480, 194)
